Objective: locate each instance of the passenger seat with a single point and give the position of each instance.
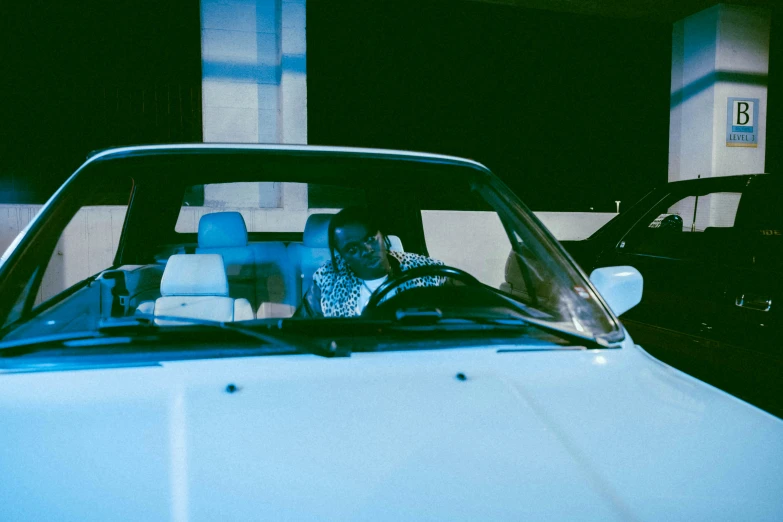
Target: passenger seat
(195, 286)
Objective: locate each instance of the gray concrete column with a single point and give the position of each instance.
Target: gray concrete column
(718, 118)
(292, 116)
(254, 86)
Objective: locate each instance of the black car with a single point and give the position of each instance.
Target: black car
(710, 254)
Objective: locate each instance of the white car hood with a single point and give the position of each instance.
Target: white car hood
(567, 435)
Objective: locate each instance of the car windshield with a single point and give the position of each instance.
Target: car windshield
(272, 236)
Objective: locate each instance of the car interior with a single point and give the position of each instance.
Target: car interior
(269, 277)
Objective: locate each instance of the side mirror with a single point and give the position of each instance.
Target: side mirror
(620, 286)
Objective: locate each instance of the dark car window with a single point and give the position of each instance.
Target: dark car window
(685, 226)
(736, 224)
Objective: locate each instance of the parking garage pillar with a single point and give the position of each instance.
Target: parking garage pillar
(720, 62)
(254, 85)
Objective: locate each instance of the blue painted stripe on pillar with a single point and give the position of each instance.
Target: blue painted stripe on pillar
(266, 74)
(294, 63)
(710, 79)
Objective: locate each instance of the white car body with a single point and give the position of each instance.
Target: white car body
(504, 432)
(527, 435)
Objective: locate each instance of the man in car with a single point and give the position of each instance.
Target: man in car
(361, 262)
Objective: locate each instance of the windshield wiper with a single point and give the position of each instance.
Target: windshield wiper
(128, 330)
(500, 317)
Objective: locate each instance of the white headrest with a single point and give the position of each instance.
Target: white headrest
(222, 229)
(395, 243)
(316, 232)
(194, 274)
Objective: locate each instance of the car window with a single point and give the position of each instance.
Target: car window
(471, 240)
(466, 233)
(698, 213)
(693, 226)
(87, 245)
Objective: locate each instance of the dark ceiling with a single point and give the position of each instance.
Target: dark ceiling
(654, 10)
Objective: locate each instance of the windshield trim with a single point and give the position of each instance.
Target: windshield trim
(315, 150)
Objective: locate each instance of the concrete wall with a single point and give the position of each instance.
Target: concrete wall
(86, 247)
(13, 219)
(473, 241)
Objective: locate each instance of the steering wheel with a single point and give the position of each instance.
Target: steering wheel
(416, 273)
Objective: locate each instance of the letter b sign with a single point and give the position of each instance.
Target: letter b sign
(741, 124)
(742, 115)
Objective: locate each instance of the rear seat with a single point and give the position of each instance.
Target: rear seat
(225, 233)
(259, 272)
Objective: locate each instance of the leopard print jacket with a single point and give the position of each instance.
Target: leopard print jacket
(340, 289)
